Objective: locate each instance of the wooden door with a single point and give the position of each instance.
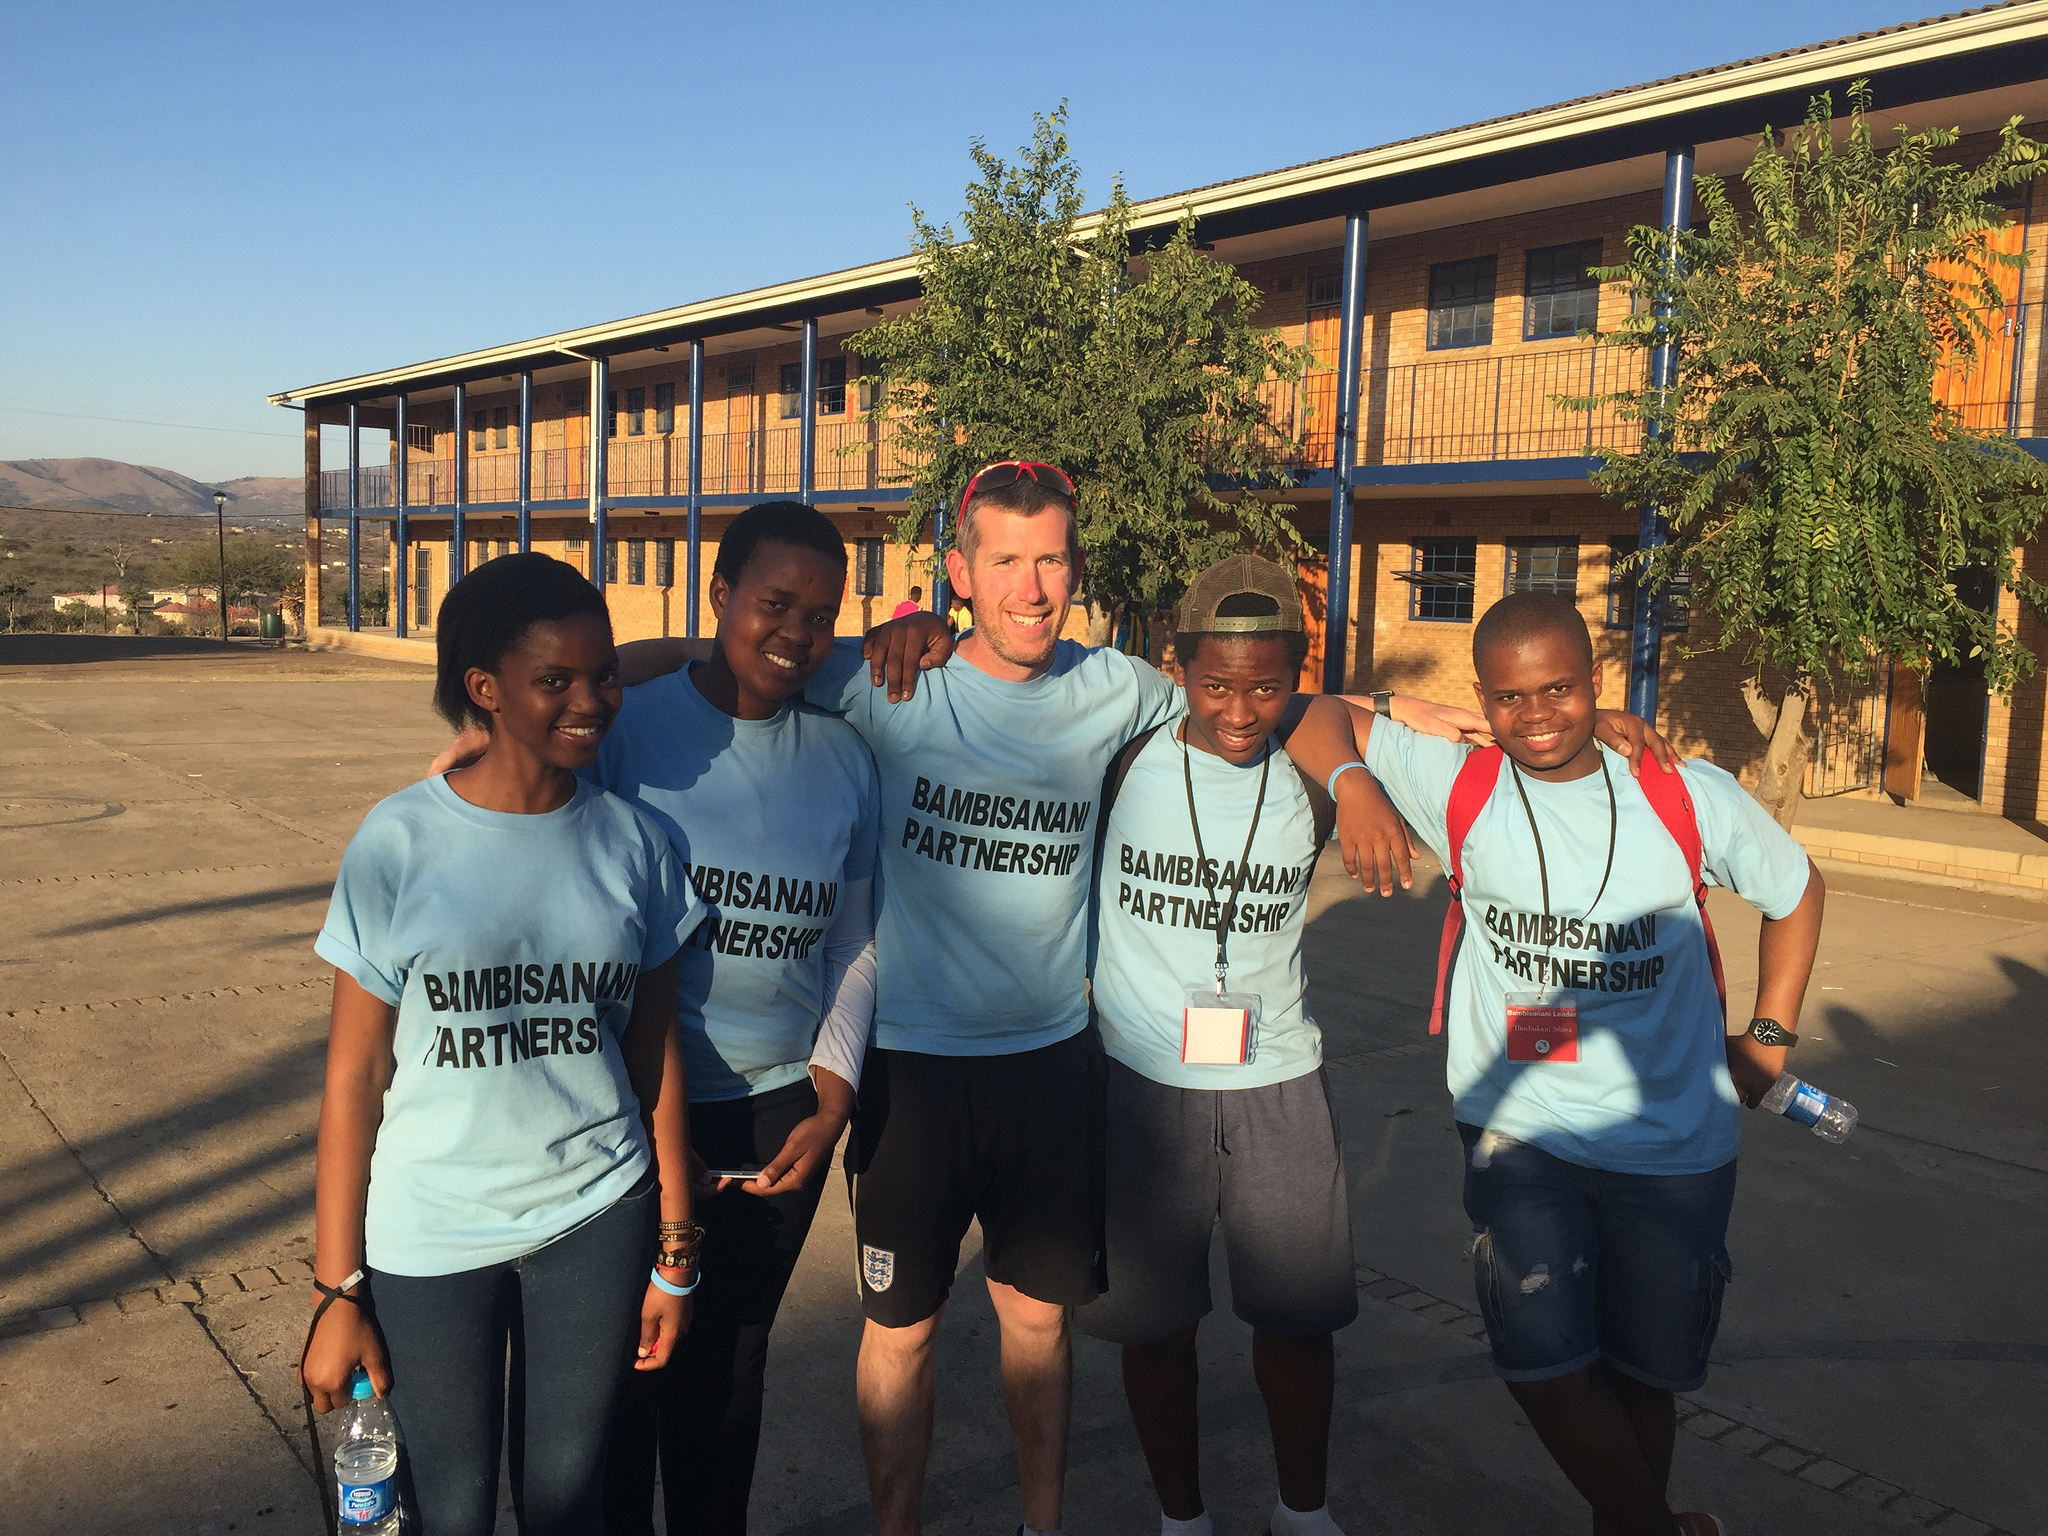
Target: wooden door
(1313, 580)
(1980, 388)
(1319, 388)
(1905, 737)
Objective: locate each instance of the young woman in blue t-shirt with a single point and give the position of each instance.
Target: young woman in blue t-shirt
(502, 1169)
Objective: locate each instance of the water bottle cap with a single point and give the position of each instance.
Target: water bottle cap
(359, 1386)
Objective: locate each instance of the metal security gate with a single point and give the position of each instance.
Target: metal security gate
(1849, 751)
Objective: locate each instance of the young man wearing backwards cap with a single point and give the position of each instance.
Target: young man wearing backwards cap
(1218, 1110)
(1595, 1088)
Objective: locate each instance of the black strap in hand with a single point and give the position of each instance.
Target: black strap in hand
(329, 1295)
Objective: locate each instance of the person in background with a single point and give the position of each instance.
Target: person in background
(502, 1169)
(914, 603)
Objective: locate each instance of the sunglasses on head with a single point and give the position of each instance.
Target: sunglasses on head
(995, 476)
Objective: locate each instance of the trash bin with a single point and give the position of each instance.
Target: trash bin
(271, 625)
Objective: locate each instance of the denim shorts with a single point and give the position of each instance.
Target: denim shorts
(1576, 1264)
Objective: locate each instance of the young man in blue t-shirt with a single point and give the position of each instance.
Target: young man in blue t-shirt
(1595, 1088)
(1219, 1113)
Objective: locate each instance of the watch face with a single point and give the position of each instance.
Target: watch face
(1769, 1031)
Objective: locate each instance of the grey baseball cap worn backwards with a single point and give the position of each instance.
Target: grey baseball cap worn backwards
(1242, 575)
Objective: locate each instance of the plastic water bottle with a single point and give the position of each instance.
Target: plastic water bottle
(366, 1463)
(1832, 1119)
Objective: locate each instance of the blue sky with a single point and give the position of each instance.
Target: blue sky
(207, 203)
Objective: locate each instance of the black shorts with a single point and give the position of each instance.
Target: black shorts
(1012, 1141)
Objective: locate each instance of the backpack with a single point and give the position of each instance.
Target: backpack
(1668, 797)
(1320, 805)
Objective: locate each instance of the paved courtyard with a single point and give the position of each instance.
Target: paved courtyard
(170, 823)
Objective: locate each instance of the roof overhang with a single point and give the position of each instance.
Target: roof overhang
(1977, 54)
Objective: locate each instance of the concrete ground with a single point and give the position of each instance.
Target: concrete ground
(170, 824)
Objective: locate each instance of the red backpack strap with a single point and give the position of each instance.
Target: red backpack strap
(1672, 801)
(1473, 787)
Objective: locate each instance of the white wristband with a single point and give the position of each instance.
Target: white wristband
(1342, 769)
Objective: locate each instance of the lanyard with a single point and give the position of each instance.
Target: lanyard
(1542, 869)
(1229, 911)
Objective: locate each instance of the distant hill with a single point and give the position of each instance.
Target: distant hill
(109, 485)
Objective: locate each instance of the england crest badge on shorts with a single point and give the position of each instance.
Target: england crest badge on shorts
(877, 1267)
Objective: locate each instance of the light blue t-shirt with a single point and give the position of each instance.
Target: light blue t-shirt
(510, 946)
(1650, 1092)
(988, 837)
(770, 819)
(1156, 921)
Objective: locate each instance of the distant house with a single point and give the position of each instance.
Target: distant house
(107, 600)
(202, 611)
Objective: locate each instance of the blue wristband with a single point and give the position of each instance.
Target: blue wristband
(1342, 769)
(675, 1290)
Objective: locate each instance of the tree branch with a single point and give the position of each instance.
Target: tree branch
(1763, 710)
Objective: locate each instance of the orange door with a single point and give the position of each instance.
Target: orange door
(1313, 578)
(1980, 389)
(1319, 389)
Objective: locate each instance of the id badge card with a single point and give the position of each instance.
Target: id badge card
(1216, 1027)
(1543, 1026)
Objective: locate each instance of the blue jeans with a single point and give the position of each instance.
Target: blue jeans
(568, 1314)
(1576, 1264)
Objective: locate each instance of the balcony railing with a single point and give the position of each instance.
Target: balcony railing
(852, 455)
(1464, 409)
(373, 487)
(1458, 410)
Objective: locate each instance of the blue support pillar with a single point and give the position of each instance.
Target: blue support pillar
(942, 590)
(807, 420)
(400, 491)
(1350, 345)
(458, 546)
(525, 460)
(600, 429)
(1646, 642)
(355, 523)
(694, 555)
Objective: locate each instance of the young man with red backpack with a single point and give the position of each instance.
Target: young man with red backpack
(1596, 1090)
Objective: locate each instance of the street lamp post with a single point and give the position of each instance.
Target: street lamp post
(220, 534)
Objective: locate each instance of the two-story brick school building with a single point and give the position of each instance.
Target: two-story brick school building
(1441, 283)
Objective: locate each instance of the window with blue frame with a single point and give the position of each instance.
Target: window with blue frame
(611, 562)
(665, 561)
(1461, 303)
(636, 412)
(1440, 577)
(501, 427)
(792, 391)
(664, 407)
(1621, 591)
(1543, 565)
(1561, 296)
(636, 562)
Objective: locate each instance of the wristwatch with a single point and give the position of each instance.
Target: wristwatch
(1383, 703)
(1771, 1032)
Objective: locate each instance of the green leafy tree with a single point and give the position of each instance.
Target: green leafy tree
(135, 594)
(1139, 373)
(13, 593)
(1819, 491)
